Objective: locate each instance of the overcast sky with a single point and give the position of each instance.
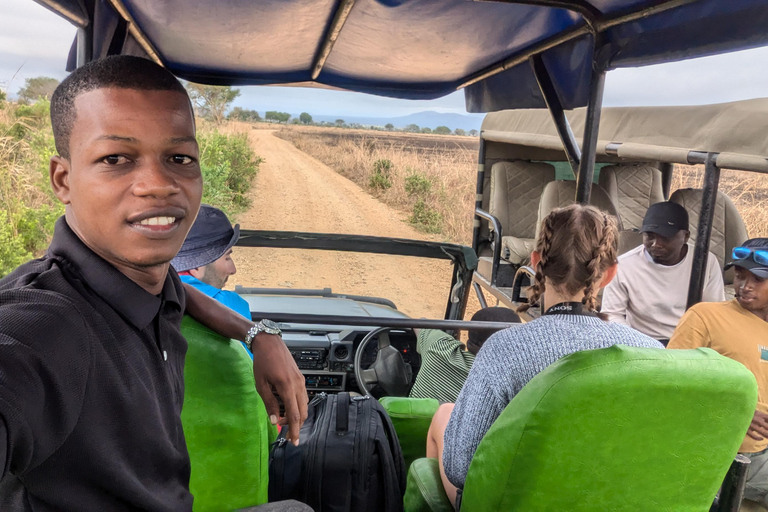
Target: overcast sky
(35, 42)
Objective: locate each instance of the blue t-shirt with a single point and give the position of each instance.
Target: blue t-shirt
(229, 299)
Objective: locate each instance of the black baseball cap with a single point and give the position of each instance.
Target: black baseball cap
(665, 219)
(751, 263)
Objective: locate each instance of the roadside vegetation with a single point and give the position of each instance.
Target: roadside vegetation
(28, 208)
(433, 180)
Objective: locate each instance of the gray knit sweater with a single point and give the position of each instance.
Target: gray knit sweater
(507, 361)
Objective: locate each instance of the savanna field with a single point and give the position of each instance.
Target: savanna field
(433, 177)
(430, 177)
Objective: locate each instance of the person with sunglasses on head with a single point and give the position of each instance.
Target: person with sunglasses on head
(739, 329)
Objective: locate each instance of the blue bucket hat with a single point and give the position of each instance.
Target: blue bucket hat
(211, 236)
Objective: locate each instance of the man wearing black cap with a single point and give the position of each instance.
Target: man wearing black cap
(650, 290)
(739, 329)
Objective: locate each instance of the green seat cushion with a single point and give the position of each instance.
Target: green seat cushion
(225, 423)
(616, 429)
(411, 418)
(424, 490)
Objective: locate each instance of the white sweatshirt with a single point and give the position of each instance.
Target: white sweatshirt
(650, 297)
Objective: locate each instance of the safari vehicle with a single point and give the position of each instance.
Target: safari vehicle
(505, 55)
(637, 147)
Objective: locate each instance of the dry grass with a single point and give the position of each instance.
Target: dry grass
(747, 190)
(431, 177)
(449, 164)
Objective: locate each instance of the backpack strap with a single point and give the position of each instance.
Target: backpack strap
(342, 412)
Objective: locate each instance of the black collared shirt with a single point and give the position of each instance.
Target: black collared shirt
(91, 387)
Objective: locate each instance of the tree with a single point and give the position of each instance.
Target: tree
(277, 117)
(459, 131)
(211, 101)
(443, 130)
(36, 88)
(426, 129)
(339, 122)
(389, 127)
(413, 128)
(305, 118)
(242, 114)
(473, 133)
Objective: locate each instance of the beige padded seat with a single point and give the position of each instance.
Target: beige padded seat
(728, 229)
(562, 193)
(632, 188)
(516, 187)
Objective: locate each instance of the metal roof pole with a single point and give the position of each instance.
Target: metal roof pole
(552, 100)
(479, 195)
(667, 171)
(84, 45)
(591, 126)
(704, 229)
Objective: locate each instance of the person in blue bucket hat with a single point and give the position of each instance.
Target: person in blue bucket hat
(205, 259)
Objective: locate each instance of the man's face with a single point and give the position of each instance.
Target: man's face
(663, 250)
(217, 273)
(132, 185)
(751, 290)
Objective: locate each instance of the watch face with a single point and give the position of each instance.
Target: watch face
(270, 327)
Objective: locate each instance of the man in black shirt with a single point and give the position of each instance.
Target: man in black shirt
(91, 356)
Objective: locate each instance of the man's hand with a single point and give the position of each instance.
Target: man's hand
(758, 429)
(274, 367)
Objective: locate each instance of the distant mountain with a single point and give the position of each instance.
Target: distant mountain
(428, 118)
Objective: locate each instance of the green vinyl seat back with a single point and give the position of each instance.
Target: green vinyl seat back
(411, 418)
(616, 429)
(225, 423)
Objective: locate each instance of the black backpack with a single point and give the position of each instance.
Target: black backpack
(348, 458)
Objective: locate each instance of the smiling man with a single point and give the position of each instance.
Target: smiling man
(739, 329)
(91, 355)
(650, 291)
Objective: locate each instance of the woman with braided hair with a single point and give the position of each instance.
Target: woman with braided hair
(575, 257)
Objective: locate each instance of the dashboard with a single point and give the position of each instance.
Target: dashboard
(326, 357)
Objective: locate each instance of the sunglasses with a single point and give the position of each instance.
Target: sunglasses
(759, 256)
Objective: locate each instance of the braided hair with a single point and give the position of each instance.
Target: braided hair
(577, 244)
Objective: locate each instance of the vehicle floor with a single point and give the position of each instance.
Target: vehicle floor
(751, 506)
(295, 192)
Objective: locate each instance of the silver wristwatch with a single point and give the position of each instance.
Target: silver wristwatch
(267, 326)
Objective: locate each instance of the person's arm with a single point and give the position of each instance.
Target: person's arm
(615, 301)
(477, 407)
(45, 359)
(691, 332)
(714, 287)
(273, 365)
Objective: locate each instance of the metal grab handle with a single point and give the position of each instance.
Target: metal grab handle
(496, 242)
(517, 284)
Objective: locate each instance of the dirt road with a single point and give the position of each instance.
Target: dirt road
(295, 192)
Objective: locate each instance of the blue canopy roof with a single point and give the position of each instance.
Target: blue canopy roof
(416, 49)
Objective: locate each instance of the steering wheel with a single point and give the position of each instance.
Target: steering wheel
(389, 371)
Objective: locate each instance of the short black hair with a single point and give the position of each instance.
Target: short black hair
(118, 71)
(478, 337)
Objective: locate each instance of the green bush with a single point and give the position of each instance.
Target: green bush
(381, 176)
(426, 218)
(229, 166)
(417, 184)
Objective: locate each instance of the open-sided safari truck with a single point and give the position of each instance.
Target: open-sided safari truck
(504, 54)
(525, 172)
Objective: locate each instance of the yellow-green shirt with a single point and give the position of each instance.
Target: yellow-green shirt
(734, 332)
